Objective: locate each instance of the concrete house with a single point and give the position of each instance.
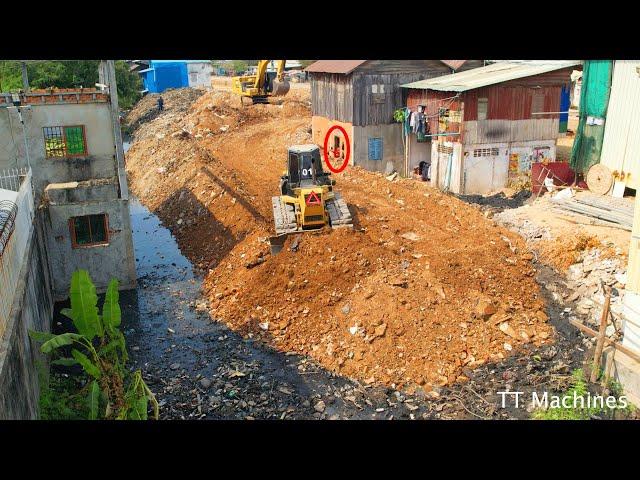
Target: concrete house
(487, 126)
(70, 140)
(361, 97)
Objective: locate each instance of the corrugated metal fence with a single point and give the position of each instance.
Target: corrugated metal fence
(621, 143)
(14, 250)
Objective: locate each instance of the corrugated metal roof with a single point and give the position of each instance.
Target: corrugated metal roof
(489, 75)
(334, 66)
(621, 142)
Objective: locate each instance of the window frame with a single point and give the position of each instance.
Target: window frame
(65, 143)
(371, 141)
(72, 230)
(537, 103)
(485, 101)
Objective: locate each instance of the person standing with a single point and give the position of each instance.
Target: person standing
(160, 103)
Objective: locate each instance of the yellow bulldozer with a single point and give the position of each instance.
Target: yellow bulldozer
(307, 199)
(263, 84)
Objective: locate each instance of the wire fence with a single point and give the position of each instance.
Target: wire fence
(12, 178)
(16, 230)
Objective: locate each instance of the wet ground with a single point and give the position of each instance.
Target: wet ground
(497, 202)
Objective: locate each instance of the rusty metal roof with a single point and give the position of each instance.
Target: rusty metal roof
(490, 74)
(334, 66)
(455, 64)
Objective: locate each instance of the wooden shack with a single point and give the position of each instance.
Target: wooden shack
(361, 97)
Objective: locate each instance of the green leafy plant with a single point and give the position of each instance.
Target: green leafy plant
(99, 348)
(399, 115)
(579, 389)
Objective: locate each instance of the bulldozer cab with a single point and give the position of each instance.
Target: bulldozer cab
(304, 167)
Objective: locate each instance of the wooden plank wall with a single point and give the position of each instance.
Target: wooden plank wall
(366, 110)
(332, 96)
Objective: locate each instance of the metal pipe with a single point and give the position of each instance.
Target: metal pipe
(442, 134)
(549, 113)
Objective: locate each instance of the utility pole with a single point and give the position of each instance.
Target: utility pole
(25, 77)
(107, 76)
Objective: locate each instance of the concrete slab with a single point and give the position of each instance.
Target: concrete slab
(626, 371)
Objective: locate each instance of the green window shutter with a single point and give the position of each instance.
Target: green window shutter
(75, 140)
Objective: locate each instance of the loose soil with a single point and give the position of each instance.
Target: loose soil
(423, 290)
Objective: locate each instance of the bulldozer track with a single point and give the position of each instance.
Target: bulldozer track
(284, 216)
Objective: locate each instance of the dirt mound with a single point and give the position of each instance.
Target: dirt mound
(177, 101)
(411, 298)
(424, 288)
(563, 252)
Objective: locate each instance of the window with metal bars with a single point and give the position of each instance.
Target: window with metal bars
(486, 152)
(445, 149)
(89, 230)
(64, 141)
(483, 108)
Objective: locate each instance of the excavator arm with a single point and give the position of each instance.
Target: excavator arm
(257, 86)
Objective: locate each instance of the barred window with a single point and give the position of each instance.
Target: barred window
(483, 108)
(89, 230)
(444, 149)
(486, 152)
(64, 141)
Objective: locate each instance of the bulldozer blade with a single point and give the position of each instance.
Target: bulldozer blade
(280, 88)
(276, 244)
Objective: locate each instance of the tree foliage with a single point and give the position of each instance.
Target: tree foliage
(69, 74)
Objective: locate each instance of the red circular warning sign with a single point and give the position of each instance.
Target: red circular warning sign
(326, 150)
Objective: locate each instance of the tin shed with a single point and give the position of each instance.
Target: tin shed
(488, 125)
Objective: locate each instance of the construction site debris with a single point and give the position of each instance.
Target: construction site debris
(420, 329)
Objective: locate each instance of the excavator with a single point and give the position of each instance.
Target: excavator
(263, 84)
(307, 199)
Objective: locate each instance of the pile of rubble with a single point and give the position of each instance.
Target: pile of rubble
(176, 101)
(592, 269)
(527, 229)
(590, 280)
(423, 290)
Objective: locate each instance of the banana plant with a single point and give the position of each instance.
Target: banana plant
(99, 348)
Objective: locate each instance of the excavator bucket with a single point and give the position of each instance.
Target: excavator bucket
(279, 88)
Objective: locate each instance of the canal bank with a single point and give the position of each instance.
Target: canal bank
(199, 369)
